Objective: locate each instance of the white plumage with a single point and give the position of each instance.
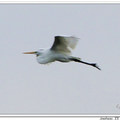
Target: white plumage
(64, 44)
(60, 51)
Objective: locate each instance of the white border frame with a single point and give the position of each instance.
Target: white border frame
(62, 2)
(58, 1)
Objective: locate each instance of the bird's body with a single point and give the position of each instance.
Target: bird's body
(60, 51)
(48, 56)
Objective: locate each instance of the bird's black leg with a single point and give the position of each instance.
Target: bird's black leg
(92, 64)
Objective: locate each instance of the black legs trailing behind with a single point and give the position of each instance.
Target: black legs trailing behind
(78, 60)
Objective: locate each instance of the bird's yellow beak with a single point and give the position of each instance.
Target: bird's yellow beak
(30, 52)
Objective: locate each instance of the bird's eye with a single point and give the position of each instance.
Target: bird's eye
(37, 54)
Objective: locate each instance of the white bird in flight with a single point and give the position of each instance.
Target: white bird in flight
(60, 51)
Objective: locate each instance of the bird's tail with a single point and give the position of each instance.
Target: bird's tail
(76, 59)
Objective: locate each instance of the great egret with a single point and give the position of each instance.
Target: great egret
(60, 51)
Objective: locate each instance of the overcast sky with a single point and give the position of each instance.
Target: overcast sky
(27, 87)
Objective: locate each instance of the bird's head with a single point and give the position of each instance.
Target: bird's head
(37, 53)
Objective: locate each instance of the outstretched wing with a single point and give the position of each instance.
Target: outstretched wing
(64, 44)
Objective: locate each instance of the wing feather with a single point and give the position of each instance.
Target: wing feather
(64, 44)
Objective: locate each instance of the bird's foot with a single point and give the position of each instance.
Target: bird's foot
(95, 65)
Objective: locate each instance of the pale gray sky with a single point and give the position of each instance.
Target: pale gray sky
(27, 87)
